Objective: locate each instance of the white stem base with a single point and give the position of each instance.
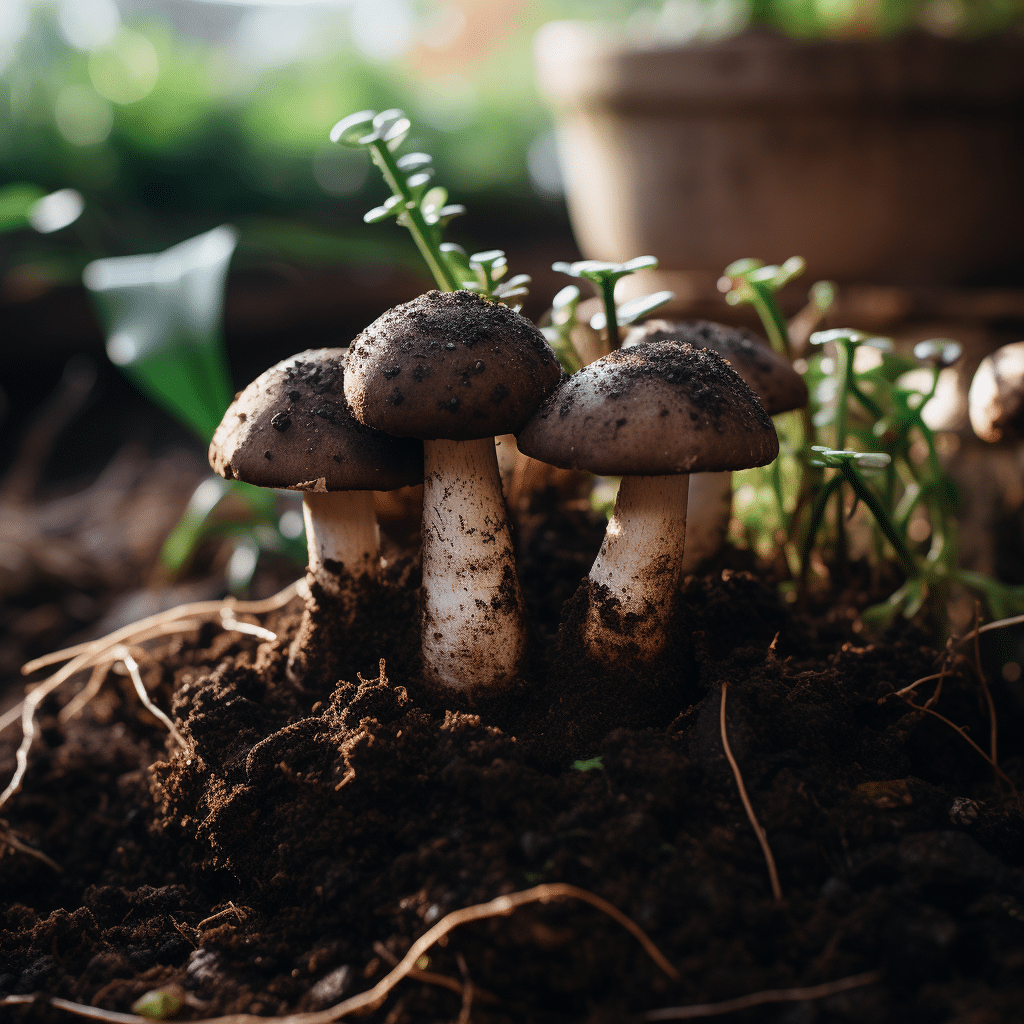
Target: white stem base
(474, 629)
(707, 518)
(342, 537)
(639, 563)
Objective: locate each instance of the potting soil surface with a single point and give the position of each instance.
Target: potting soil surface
(313, 832)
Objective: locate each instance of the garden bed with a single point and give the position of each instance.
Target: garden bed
(309, 837)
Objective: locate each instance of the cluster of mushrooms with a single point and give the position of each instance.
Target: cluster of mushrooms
(421, 395)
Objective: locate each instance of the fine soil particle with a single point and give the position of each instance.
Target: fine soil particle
(311, 835)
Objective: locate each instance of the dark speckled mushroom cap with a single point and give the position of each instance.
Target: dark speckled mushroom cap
(292, 428)
(449, 365)
(770, 376)
(652, 410)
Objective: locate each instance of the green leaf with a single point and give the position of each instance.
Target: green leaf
(15, 202)
(355, 131)
(157, 1005)
(414, 161)
(631, 311)
(589, 764)
(378, 214)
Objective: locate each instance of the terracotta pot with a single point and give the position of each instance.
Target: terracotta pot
(892, 161)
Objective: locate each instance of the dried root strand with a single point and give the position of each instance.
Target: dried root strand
(502, 906)
(778, 995)
(759, 831)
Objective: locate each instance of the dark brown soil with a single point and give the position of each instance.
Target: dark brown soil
(336, 825)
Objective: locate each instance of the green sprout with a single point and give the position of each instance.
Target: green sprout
(559, 332)
(162, 314)
(423, 208)
(751, 281)
(604, 277)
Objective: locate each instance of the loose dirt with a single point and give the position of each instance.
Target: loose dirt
(311, 835)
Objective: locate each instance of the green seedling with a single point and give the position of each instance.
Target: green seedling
(604, 276)
(559, 332)
(751, 281)
(423, 208)
(162, 315)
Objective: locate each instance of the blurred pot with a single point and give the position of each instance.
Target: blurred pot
(893, 161)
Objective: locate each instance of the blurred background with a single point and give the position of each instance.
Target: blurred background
(157, 121)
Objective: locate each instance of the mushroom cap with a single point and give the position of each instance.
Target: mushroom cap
(769, 375)
(651, 410)
(996, 398)
(449, 365)
(292, 428)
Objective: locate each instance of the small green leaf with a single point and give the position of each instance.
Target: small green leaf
(631, 311)
(566, 298)
(413, 161)
(639, 263)
(378, 214)
(589, 764)
(157, 1005)
(434, 199)
(938, 351)
(742, 267)
(354, 131)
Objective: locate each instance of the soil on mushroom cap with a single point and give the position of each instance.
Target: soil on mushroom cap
(362, 813)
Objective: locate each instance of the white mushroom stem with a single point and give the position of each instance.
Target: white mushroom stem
(474, 628)
(639, 563)
(707, 518)
(342, 537)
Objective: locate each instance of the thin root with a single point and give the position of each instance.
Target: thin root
(777, 995)
(372, 998)
(762, 837)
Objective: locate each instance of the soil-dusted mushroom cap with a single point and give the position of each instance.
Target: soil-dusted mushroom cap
(292, 428)
(449, 365)
(770, 376)
(651, 410)
(996, 397)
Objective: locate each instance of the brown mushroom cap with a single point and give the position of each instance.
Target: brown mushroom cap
(449, 365)
(652, 410)
(996, 398)
(770, 376)
(292, 428)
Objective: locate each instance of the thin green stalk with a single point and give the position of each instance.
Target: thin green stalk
(418, 227)
(611, 315)
(881, 517)
(771, 318)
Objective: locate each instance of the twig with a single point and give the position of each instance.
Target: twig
(426, 977)
(934, 698)
(986, 692)
(467, 990)
(8, 837)
(762, 838)
(502, 906)
(86, 694)
(778, 995)
(239, 913)
(123, 654)
(956, 728)
(126, 634)
(911, 687)
(1015, 620)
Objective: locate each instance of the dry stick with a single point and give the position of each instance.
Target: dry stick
(762, 838)
(86, 694)
(467, 990)
(427, 977)
(197, 608)
(986, 692)
(956, 728)
(10, 839)
(123, 654)
(96, 655)
(778, 995)
(934, 698)
(502, 906)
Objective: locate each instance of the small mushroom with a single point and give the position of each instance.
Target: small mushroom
(455, 370)
(996, 397)
(769, 375)
(653, 414)
(291, 428)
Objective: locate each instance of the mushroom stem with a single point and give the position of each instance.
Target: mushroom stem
(707, 518)
(342, 537)
(474, 630)
(639, 563)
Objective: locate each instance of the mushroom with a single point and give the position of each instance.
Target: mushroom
(996, 397)
(455, 370)
(652, 413)
(769, 375)
(291, 428)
